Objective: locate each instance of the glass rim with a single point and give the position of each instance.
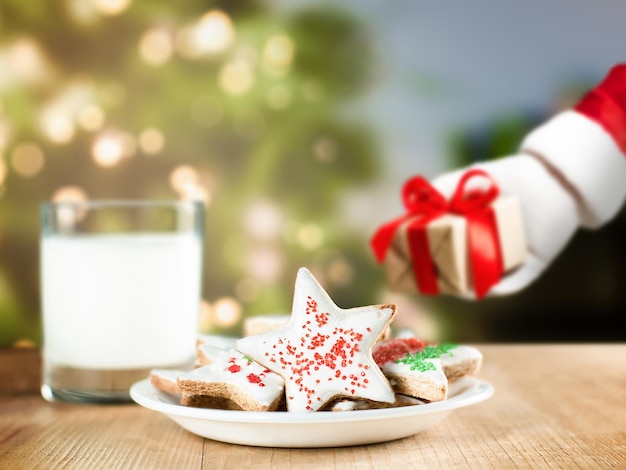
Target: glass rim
(121, 203)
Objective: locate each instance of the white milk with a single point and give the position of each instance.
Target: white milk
(120, 301)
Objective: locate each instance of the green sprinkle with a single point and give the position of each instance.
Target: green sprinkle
(247, 358)
(417, 360)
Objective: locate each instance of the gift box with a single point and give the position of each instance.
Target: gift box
(452, 247)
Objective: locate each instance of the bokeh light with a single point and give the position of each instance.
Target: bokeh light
(22, 63)
(236, 77)
(226, 312)
(183, 176)
(186, 181)
(27, 159)
(57, 126)
(111, 7)
(69, 194)
(263, 219)
(310, 236)
(91, 117)
(212, 34)
(151, 141)
(110, 148)
(278, 53)
(155, 46)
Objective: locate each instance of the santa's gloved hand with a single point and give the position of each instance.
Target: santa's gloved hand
(570, 172)
(549, 211)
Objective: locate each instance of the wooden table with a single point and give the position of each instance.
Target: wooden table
(555, 406)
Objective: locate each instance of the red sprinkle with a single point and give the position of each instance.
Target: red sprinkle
(395, 349)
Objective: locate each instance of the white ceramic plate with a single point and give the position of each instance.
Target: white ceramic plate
(313, 429)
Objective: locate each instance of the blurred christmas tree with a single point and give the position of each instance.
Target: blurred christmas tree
(231, 102)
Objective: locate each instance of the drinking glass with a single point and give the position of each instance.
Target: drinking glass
(120, 294)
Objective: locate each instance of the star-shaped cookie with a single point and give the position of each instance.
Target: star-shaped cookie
(324, 352)
(231, 375)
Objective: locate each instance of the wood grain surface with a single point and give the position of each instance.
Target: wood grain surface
(555, 406)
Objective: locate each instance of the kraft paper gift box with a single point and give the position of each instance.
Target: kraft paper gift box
(447, 239)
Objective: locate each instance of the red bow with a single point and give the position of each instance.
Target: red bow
(424, 204)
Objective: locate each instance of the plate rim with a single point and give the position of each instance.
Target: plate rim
(475, 391)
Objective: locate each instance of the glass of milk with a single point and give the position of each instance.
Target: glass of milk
(120, 294)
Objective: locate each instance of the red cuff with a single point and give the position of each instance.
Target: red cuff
(606, 105)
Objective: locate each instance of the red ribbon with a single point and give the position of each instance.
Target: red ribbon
(424, 204)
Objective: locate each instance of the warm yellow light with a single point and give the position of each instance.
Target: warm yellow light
(27, 159)
(310, 236)
(182, 177)
(151, 141)
(155, 46)
(111, 7)
(22, 62)
(108, 150)
(227, 311)
(212, 34)
(58, 127)
(195, 192)
(69, 194)
(82, 11)
(185, 180)
(91, 117)
(236, 77)
(278, 53)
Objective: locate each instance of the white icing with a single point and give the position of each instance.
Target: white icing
(324, 351)
(460, 354)
(222, 342)
(435, 377)
(231, 367)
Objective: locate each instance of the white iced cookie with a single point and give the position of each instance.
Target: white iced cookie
(460, 361)
(165, 380)
(233, 376)
(424, 371)
(324, 352)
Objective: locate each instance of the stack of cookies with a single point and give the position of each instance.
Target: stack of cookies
(320, 358)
